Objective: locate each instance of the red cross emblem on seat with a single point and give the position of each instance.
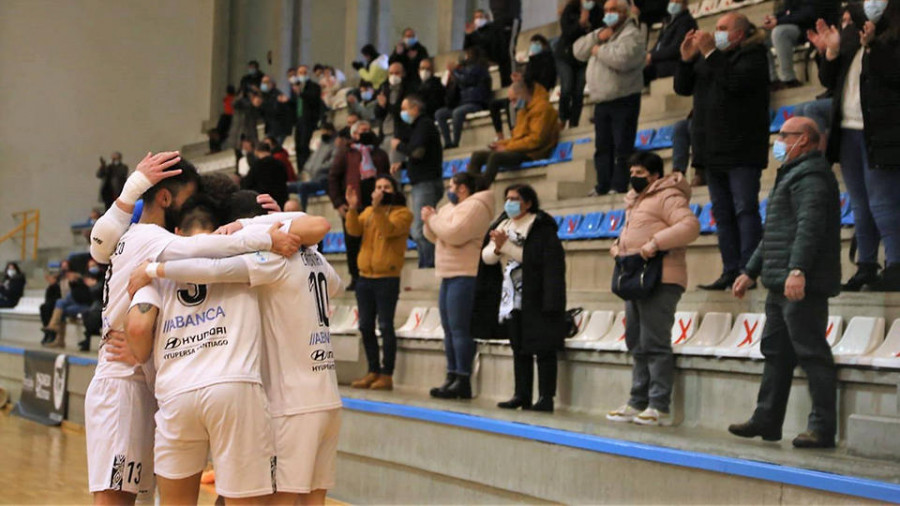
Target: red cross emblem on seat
(787, 114)
(355, 316)
(684, 328)
(418, 317)
(622, 337)
(571, 226)
(645, 139)
(749, 330)
(613, 221)
(830, 328)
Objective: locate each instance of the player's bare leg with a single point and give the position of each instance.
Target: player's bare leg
(181, 491)
(284, 499)
(114, 498)
(249, 501)
(314, 498)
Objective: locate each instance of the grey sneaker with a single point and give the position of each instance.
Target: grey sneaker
(652, 416)
(623, 413)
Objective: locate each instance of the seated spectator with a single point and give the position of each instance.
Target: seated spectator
(431, 89)
(387, 110)
(12, 287)
(522, 284)
(267, 175)
(534, 138)
(93, 317)
(307, 108)
(410, 52)
(281, 154)
(374, 68)
(76, 302)
(456, 230)
(660, 221)
(57, 288)
(383, 228)
(578, 18)
(472, 82)
(278, 116)
(787, 29)
(113, 176)
(541, 68)
(252, 79)
(318, 166)
(248, 157)
(362, 102)
(663, 58)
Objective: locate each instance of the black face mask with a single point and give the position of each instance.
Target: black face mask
(368, 139)
(390, 199)
(639, 183)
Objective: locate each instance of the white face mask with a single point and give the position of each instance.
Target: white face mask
(11, 272)
(480, 22)
(425, 75)
(395, 80)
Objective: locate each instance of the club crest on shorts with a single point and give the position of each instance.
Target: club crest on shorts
(118, 472)
(273, 467)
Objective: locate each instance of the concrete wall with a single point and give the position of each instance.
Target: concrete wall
(82, 79)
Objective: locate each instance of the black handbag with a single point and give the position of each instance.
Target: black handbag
(635, 278)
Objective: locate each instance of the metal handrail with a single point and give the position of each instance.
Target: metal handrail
(28, 217)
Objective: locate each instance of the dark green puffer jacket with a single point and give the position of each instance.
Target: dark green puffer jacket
(803, 228)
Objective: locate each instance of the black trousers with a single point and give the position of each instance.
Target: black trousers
(795, 334)
(523, 364)
(498, 106)
(47, 311)
(302, 135)
(493, 160)
(509, 32)
(615, 127)
(378, 297)
(353, 245)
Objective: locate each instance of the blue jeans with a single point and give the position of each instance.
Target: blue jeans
(426, 193)
(443, 115)
(615, 127)
(456, 302)
(71, 308)
(378, 297)
(571, 91)
(681, 145)
(818, 111)
(305, 189)
(735, 204)
(873, 197)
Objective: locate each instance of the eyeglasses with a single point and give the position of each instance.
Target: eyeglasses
(785, 135)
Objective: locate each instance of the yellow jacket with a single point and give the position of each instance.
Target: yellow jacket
(384, 231)
(537, 127)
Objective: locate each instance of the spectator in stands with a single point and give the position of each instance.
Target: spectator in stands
(430, 89)
(317, 166)
(660, 221)
(278, 116)
(383, 228)
(374, 68)
(267, 175)
(363, 103)
(482, 33)
(541, 68)
(650, 12)
(247, 157)
(330, 85)
(860, 65)
(799, 262)
(252, 79)
(578, 18)
(726, 74)
(92, 319)
(77, 301)
(409, 52)
(787, 28)
(534, 138)
(615, 56)
(357, 167)
(306, 101)
(387, 109)
(522, 284)
(57, 287)
(247, 111)
(472, 81)
(220, 133)
(421, 145)
(112, 176)
(13, 286)
(281, 154)
(457, 229)
(507, 23)
(663, 58)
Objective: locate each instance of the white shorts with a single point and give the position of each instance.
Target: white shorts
(118, 423)
(307, 450)
(229, 421)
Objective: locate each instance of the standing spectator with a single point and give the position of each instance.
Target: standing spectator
(457, 229)
(362, 102)
(54, 291)
(541, 68)
(410, 53)
(383, 228)
(860, 66)
(112, 176)
(267, 175)
(787, 28)
(473, 81)
(430, 89)
(387, 111)
(223, 127)
(278, 116)
(247, 111)
(12, 287)
(252, 79)
(508, 22)
(529, 297)
(306, 101)
(799, 259)
(317, 166)
(663, 59)
(578, 18)
(281, 154)
(615, 56)
(421, 144)
(484, 35)
(77, 301)
(659, 219)
(356, 167)
(650, 12)
(374, 68)
(727, 76)
(534, 138)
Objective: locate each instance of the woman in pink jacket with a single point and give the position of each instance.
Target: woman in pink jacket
(658, 219)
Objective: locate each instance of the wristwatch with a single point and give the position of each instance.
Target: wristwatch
(797, 273)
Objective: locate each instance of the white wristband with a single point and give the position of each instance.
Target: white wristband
(151, 269)
(135, 186)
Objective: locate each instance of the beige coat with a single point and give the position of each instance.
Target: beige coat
(662, 213)
(458, 232)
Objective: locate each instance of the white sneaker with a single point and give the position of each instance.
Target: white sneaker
(652, 416)
(624, 413)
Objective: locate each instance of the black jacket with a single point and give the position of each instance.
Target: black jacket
(730, 126)
(393, 108)
(249, 81)
(433, 93)
(652, 11)
(113, 178)
(667, 52)
(489, 39)
(571, 30)
(422, 145)
(410, 65)
(541, 69)
(11, 290)
(474, 83)
(505, 11)
(804, 13)
(803, 228)
(279, 117)
(880, 95)
(267, 175)
(543, 320)
(313, 107)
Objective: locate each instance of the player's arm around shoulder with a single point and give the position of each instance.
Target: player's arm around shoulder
(311, 229)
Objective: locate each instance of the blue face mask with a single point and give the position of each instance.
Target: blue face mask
(366, 95)
(521, 103)
(780, 151)
(588, 5)
(611, 18)
(404, 115)
(265, 87)
(874, 9)
(674, 9)
(722, 41)
(252, 71)
(410, 42)
(513, 208)
(535, 48)
(452, 197)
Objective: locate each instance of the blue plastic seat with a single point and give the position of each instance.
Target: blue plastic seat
(570, 227)
(696, 209)
(563, 152)
(447, 169)
(783, 114)
(663, 137)
(612, 224)
(763, 206)
(583, 140)
(643, 139)
(410, 244)
(846, 211)
(340, 246)
(328, 244)
(590, 226)
(321, 193)
(404, 177)
(707, 220)
(559, 221)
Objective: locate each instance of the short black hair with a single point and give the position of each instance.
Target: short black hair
(199, 211)
(471, 181)
(254, 63)
(243, 204)
(273, 142)
(230, 89)
(327, 125)
(364, 84)
(174, 184)
(369, 50)
(390, 179)
(218, 187)
(262, 147)
(318, 66)
(527, 193)
(540, 38)
(650, 161)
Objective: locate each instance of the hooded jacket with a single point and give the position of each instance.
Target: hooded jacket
(384, 231)
(457, 231)
(537, 127)
(617, 70)
(662, 213)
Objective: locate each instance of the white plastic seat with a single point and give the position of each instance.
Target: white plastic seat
(614, 340)
(712, 331)
(430, 328)
(746, 333)
(349, 324)
(888, 354)
(863, 335)
(26, 306)
(597, 326)
(415, 319)
(709, 7)
(832, 335)
(685, 326)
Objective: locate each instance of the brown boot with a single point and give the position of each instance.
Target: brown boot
(384, 382)
(366, 381)
(60, 340)
(56, 325)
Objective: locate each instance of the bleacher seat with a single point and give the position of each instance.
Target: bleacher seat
(708, 7)
(340, 245)
(746, 332)
(612, 224)
(614, 340)
(707, 220)
(863, 335)
(832, 335)
(664, 137)
(696, 209)
(447, 169)
(559, 221)
(598, 325)
(562, 153)
(430, 328)
(888, 354)
(349, 324)
(404, 177)
(590, 226)
(763, 210)
(846, 211)
(26, 306)
(570, 225)
(684, 327)
(328, 244)
(712, 331)
(410, 244)
(413, 322)
(644, 139)
(583, 140)
(783, 114)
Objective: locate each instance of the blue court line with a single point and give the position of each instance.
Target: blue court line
(847, 485)
(12, 350)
